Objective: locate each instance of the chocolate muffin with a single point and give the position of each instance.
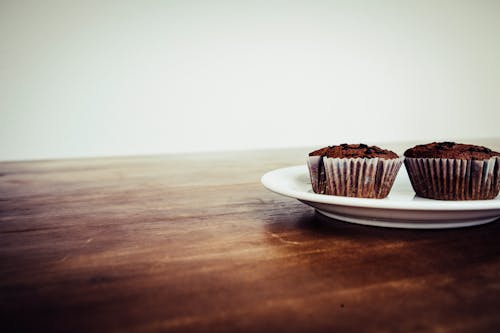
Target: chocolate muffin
(353, 170)
(453, 171)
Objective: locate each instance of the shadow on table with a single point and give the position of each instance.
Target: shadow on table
(356, 255)
(313, 225)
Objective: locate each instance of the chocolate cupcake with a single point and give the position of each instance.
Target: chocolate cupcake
(353, 170)
(453, 171)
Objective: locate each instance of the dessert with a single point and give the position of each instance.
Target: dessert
(353, 170)
(453, 171)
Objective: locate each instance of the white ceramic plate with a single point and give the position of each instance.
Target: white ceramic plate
(401, 209)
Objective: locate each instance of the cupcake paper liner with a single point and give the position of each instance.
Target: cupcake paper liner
(454, 179)
(353, 177)
(317, 174)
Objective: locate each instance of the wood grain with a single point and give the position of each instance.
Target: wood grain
(195, 243)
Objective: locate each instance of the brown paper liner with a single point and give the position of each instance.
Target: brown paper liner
(353, 177)
(454, 179)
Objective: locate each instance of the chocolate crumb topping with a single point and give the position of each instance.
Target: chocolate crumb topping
(354, 151)
(450, 150)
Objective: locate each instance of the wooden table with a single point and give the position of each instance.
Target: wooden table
(195, 243)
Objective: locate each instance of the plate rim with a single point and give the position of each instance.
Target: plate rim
(423, 204)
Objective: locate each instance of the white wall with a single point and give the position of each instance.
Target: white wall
(93, 78)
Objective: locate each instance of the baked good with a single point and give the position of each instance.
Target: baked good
(353, 170)
(453, 171)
